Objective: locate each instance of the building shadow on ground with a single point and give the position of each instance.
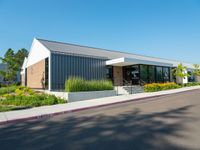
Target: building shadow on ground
(131, 130)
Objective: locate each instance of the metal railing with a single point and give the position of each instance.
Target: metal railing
(142, 82)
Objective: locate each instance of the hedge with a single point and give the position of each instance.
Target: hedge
(76, 84)
(160, 86)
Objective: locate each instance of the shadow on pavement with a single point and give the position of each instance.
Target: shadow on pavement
(131, 130)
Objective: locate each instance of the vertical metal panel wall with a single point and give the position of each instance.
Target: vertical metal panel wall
(65, 65)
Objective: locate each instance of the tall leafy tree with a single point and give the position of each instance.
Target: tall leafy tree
(10, 71)
(20, 55)
(13, 63)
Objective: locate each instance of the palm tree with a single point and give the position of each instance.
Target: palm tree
(181, 73)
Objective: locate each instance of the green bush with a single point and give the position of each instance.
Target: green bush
(76, 84)
(7, 90)
(22, 90)
(191, 84)
(160, 86)
(7, 108)
(31, 100)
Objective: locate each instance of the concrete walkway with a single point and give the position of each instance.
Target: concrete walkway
(49, 111)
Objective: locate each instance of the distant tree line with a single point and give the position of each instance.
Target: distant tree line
(13, 61)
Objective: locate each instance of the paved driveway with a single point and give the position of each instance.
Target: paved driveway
(165, 123)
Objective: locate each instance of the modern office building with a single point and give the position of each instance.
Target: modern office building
(50, 63)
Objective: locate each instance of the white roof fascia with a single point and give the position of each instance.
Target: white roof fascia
(123, 61)
(37, 53)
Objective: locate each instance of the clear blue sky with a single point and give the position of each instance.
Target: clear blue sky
(162, 28)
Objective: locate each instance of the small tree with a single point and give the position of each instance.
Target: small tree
(196, 72)
(181, 71)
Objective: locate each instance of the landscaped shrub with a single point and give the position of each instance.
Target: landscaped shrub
(31, 100)
(22, 90)
(20, 97)
(160, 86)
(76, 84)
(191, 84)
(7, 90)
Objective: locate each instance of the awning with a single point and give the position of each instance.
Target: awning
(123, 61)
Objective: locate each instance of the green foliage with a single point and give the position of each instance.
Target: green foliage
(167, 86)
(7, 90)
(10, 72)
(13, 63)
(160, 86)
(19, 97)
(76, 84)
(20, 55)
(31, 100)
(22, 90)
(180, 71)
(196, 70)
(191, 84)
(6, 108)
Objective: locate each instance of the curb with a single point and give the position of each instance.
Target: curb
(50, 115)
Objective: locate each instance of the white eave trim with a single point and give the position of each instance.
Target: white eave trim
(124, 61)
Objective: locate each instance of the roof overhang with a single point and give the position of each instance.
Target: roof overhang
(124, 61)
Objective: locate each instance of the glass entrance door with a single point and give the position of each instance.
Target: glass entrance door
(131, 74)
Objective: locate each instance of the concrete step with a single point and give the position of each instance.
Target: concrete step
(125, 90)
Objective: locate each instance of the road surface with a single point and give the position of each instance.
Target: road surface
(166, 123)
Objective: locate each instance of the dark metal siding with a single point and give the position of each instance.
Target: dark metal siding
(63, 66)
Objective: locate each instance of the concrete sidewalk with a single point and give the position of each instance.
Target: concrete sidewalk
(49, 111)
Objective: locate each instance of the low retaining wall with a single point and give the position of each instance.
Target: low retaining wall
(77, 96)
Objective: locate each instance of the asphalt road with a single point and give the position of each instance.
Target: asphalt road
(165, 123)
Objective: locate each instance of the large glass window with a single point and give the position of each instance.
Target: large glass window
(109, 72)
(159, 74)
(191, 78)
(135, 74)
(166, 74)
(144, 73)
(131, 74)
(151, 74)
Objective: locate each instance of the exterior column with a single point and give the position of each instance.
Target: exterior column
(49, 79)
(118, 75)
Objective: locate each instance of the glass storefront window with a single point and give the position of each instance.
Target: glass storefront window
(151, 74)
(144, 73)
(159, 74)
(109, 72)
(166, 74)
(191, 78)
(147, 74)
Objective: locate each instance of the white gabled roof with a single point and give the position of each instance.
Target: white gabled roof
(54, 46)
(37, 53)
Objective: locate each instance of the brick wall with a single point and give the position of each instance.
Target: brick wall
(118, 75)
(36, 75)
